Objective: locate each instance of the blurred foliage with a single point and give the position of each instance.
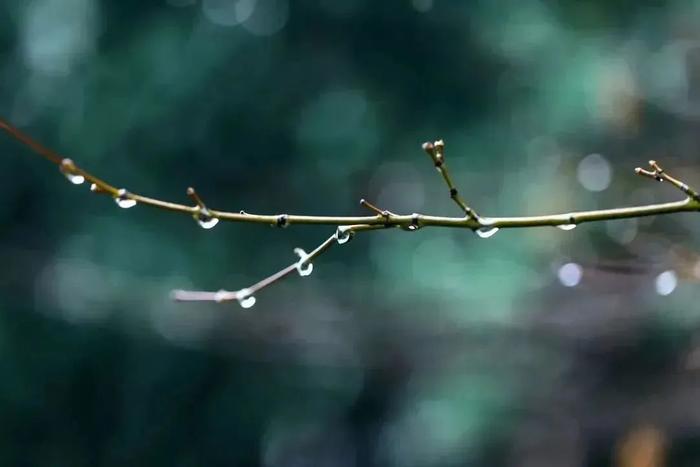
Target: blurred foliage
(434, 348)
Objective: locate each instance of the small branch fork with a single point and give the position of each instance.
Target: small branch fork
(348, 226)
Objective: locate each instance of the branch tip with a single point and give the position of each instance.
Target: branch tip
(192, 194)
(659, 174)
(375, 209)
(436, 151)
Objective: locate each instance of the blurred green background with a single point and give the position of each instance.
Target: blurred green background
(532, 348)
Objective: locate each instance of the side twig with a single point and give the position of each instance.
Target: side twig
(348, 226)
(436, 151)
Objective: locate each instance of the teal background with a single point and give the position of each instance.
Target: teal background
(401, 349)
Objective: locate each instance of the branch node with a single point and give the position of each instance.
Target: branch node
(283, 221)
(202, 215)
(415, 223)
(70, 171)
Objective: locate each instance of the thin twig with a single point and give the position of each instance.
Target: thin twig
(347, 226)
(660, 175)
(436, 151)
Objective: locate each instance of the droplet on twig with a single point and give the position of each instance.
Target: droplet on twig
(246, 299)
(205, 219)
(68, 170)
(123, 201)
(304, 267)
(566, 227)
(75, 179)
(486, 231)
(343, 236)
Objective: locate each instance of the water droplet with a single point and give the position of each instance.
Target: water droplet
(666, 283)
(304, 268)
(206, 220)
(566, 226)
(68, 169)
(570, 274)
(414, 227)
(343, 236)
(486, 232)
(246, 300)
(123, 201)
(75, 179)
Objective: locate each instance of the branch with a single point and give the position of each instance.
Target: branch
(347, 226)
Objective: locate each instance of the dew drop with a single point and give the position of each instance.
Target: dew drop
(305, 269)
(68, 169)
(207, 222)
(486, 232)
(123, 201)
(75, 179)
(414, 227)
(566, 226)
(245, 298)
(343, 236)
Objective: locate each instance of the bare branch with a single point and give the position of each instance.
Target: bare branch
(347, 226)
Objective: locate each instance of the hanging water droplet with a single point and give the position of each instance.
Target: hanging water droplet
(246, 299)
(486, 231)
(123, 201)
(206, 220)
(208, 223)
(412, 227)
(304, 267)
(343, 236)
(247, 302)
(566, 227)
(75, 179)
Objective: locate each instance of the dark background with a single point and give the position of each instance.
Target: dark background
(533, 348)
